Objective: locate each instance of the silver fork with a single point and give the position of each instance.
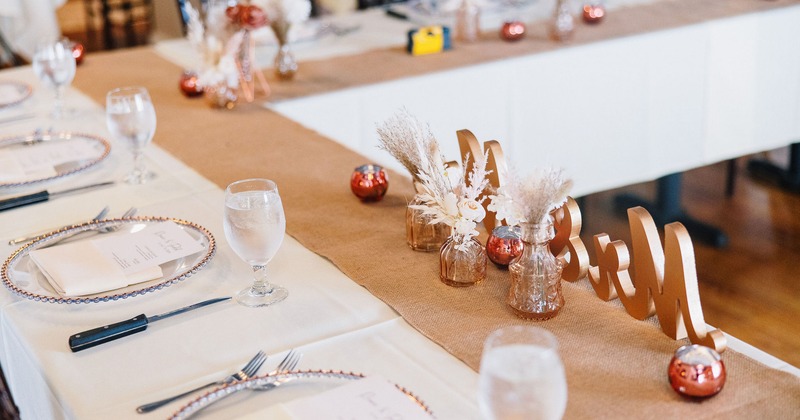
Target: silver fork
(247, 371)
(99, 216)
(287, 364)
(106, 229)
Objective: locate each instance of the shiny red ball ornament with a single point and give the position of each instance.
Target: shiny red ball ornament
(78, 52)
(696, 371)
(593, 13)
(189, 86)
(512, 31)
(504, 245)
(369, 182)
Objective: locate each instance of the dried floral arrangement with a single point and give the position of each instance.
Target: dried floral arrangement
(449, 200)
(532, 198)
(283, 14)
(217, 36)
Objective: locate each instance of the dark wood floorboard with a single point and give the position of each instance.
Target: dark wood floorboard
(751, 289)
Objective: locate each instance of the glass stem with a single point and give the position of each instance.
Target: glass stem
(260, 284)
(138, 163)
(58, 102)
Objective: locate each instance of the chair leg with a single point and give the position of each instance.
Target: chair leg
(8, 410)
(730, 184)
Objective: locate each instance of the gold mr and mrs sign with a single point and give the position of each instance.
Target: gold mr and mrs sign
(665, 281)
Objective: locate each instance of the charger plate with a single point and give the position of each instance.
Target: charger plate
(100, 147)
(18, 92)
(23, 278)
(297, 377)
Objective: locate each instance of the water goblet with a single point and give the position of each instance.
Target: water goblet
(521, 375)
(54, 65)
(254, 225)
(130, 117)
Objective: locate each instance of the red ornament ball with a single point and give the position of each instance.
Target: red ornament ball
(512, 31)
(369, 182)
(696, 371)
(78, 52)
(593, 13)
(189, 86)
(504, 245)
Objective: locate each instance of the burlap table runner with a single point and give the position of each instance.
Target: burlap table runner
(616, 366)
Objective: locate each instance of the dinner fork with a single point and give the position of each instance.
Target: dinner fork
(247, 371)
(106, 229)
(99, 216)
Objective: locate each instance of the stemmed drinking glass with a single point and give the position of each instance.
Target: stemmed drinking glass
(54, 65)
(130, 117)
(254, 226)
(521, 375)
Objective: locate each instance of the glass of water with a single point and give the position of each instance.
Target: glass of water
(521, 375)
(130, 117)
(254, 226)
(54, 65)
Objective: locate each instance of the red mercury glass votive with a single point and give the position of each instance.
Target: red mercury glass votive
(189, 86)
(369, 182)
(512, 30)
(78, 51)
(593, 13)
(696, 371)
(504, 245)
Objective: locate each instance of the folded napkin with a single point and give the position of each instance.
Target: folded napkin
(79, 269)
(114, 261)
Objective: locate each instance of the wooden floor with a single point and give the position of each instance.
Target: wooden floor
(751, 289)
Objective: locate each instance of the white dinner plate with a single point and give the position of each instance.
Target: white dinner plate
(22, 277)
(99, 150)
(311, 381)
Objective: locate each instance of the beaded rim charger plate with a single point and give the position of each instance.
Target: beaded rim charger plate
(265, 381)
(19, 92)
(23, 278)
(100, 150)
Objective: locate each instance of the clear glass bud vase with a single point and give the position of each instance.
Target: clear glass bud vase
(420, 233)
(562, 24)
(285, 63)
(462, 266)
(535, 291)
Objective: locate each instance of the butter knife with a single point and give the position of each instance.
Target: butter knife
(90, 338)
(41, 196)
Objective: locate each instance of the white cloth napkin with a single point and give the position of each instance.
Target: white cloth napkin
(79, 269)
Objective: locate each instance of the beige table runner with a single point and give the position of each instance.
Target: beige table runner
(616, 366)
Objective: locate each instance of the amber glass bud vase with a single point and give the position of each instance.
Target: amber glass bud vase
(535, 291)
(462, 266)
(420, 233)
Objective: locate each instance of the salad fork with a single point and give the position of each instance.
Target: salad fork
(287, 364)
(247, 371)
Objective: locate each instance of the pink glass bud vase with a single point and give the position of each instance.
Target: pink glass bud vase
(462, 266)
(535, 291)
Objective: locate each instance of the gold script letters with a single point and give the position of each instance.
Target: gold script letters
(665, 283)
(496, 162)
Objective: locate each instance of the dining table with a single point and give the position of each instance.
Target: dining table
(360, 300)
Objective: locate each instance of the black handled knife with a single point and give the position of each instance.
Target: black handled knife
(86, 339)
(38, 197)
